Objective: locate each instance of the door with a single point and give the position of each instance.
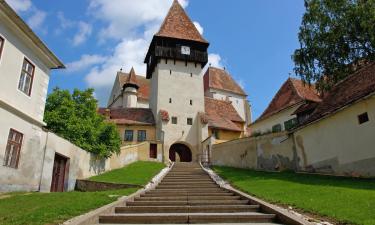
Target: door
(58, 173)
(153, 151)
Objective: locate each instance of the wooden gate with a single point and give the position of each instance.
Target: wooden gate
(59, 173)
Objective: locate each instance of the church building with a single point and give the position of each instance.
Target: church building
(176, 102)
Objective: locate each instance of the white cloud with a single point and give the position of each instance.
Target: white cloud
(37, 19)
(20, 5)
(199, 27)
(84, 62)
(132, 24)
(84, 31)
(215, 60)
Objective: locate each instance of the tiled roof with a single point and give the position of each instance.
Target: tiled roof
(129, 116)
(177, 24)
(132, 78)
(222, 80)
(142, 82)
(222, 115)
(355, 87)
(292, 92)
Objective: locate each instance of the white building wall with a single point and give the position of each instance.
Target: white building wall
(281, 117)
(175, 81)
(14, 52)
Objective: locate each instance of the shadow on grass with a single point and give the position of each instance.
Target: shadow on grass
(237, 175)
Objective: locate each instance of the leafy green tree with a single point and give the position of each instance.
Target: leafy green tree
(75, 118)
(336, 37)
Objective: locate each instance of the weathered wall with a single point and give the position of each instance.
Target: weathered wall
(150, 132)
(268, 152)
(339, 144)
(174, 81)
(226, 135)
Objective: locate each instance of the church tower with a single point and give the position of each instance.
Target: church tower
(130, 90)
(175, 59)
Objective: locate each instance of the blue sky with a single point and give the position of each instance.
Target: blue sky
(253, 39)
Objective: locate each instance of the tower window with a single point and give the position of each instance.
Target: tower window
(363, 118)
(170, 72)
(166, 61)
(191, 74)
(174, 120)
(170, 100)
(191, 102)
(189, 121)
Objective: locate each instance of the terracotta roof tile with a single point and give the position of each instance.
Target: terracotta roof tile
(222, 115)
(142, 82)
(129, 116)
(132, 78)
(222, 80)
(177, 24)
(292, 92)
(355, 87)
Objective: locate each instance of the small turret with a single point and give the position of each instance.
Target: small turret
(130, 91)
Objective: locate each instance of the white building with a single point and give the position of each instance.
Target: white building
(186, 110)
(25, 64)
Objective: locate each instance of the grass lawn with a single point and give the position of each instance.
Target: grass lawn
(135, 173)
(54, 208)
(347, 200)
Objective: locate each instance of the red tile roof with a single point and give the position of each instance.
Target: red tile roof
(221, 80)
(177, 24)
(353, 88)
(142, 82)
(129, 116)
(292, 92)
(222, 115)
(132, 78)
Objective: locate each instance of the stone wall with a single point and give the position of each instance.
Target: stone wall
(273, 152)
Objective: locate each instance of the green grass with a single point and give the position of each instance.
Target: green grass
(54, 208)
(136, 173)
(347, 200)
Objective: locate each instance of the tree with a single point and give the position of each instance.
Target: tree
(336, 37)
(75, 118)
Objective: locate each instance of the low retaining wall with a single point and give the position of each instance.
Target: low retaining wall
(273, 152)
(91, 186)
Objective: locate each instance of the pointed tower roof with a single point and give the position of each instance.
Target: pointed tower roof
(177, 24)
(131, 79)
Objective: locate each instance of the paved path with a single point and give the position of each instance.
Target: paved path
(188, 195)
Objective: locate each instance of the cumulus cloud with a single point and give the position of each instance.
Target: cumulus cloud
(20, 5)
(84, 31)
(199, 27)
(215, 60)
(84, 62)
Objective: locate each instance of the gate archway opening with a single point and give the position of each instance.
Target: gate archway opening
(180, 153)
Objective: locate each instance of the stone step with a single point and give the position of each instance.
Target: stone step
(174, 198)
(190, 202)
(202, 190)
(188, 209)
(178, 218)
(188, 182)
(206, 186)
(198, 194)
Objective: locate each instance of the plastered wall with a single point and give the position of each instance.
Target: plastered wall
(273, 152)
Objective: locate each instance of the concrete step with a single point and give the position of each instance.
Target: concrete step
(187, 202)
(187, 186)
(202, 190)
(187, 182)
(198, 194)
(176, 198)
(178, 218)
(187, 209)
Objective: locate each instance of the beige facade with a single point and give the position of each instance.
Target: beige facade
(339, 144)
(150, 133)
(265, 125)
(173, 86)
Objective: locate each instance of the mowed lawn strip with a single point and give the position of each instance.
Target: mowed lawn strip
(55, 208)
(136, 173)
(347, 200)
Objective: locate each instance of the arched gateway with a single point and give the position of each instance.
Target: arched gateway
(181, 152)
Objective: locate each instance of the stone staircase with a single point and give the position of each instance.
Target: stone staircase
(187, 195)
